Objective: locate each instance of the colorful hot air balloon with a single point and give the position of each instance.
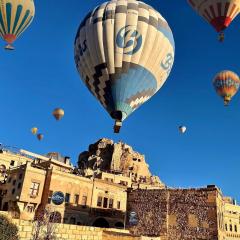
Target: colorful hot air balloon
(124, 52)
(219, 13)
(182, 129)
(40, 136)
(58, 113)
(34, 130)
(226, 84)
(15, 17)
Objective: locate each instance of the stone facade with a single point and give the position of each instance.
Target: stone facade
(177, 214)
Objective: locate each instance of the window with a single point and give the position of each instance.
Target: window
(67, 198)
(50, 197)
(118, 205)
(84, 200)
(110, 203)
(235, 228)
(30, 209)
(20, 176)
(76, 198)
(14, 182)
(34, 189)
(19, 185)
(105, 202)
(230, 227)
(99, 201)
(226, 227)
(13, 191)
(12, 163)
(9, 180)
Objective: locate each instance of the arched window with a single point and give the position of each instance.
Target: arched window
(55, 217)
(101, 222)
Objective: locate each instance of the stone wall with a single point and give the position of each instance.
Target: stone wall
(72, 232)
(175, 214)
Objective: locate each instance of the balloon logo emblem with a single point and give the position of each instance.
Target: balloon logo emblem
(129, 39)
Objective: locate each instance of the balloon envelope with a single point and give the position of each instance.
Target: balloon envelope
(58, 113)
(226, 84)
(40, 137)
(34, 130)
(124, 52)
(219, 13)
(182, 129)
(15, 17)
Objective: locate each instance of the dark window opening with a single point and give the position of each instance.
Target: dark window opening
(118, 205)
(101, 222)
(14, 182)
(67, 198)
(12, 163)
(99, 201)
(20, 176)
(13, 191)
(110, 203)
(235, 228)
(84, 200)
(76, 198)
(230, 227)
(19, 185)
(105, 202)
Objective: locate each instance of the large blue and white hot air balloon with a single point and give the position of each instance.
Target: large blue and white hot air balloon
(124, 52)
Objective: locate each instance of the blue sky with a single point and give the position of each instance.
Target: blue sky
(41, 75)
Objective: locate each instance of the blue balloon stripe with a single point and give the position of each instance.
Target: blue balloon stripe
(9, 14)
(18, 14)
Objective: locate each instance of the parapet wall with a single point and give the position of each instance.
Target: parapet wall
(73, 232)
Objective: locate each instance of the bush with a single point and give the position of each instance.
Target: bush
(8, 230)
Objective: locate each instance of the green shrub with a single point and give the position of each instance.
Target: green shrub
(8, 230)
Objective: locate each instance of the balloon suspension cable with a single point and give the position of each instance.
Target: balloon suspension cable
(9, 47)
(117, 126)
(221, 37)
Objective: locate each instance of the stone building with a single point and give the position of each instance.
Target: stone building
(113, 187)
(94, 194)
(177, 214)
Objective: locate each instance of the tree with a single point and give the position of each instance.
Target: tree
(8, 230)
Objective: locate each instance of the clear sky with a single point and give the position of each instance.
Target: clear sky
(41, 75)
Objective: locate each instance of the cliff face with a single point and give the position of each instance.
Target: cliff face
(105, 155)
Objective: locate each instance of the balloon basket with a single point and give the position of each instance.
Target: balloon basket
(9, 47)
(221, 37)
(117, 126)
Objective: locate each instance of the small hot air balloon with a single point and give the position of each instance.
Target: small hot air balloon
(34, 130)
(182, 129)
(40, 136)
(226, 84)
(219, 13)
(124, 52)
(15, 17)
(58, 113)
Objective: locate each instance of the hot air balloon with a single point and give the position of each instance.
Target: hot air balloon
(226, 84)
(58, 113)
(40, 136)
(124, 52)
(182, 129)
(218, 13)
(15, 17)
(34, 130)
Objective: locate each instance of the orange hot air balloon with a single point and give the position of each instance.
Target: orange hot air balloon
(58, 113)
(34, 130)
(40, 137)
(226, 84)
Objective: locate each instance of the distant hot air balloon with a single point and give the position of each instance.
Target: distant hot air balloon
(34, 130)
(58, 113)
(40, 136)
(226, 84)
(219, 13)
(124, 52)
(182, 129)
(15, 17)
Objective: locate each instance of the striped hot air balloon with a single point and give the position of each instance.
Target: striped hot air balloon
(15, 17)
(219, 13)
(124, 52)
(226, 84)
